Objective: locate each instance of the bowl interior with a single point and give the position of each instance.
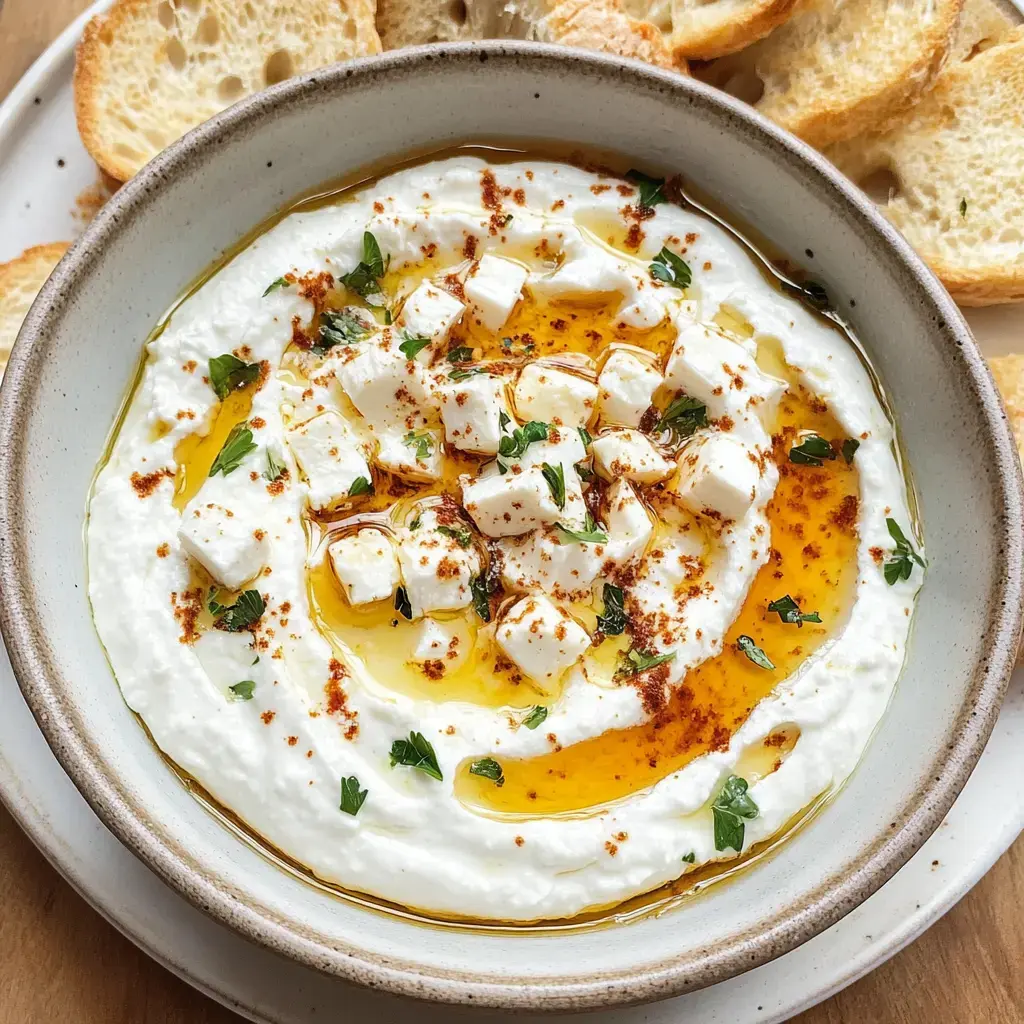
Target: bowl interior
(76, 358)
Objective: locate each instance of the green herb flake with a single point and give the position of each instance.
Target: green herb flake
(275, 470)
(412, 345)
(789, 611)
(812, 450)
(684, 416)
(689, 858)
(361, 485)
(228, 373)
(416, 752)
(590, 534)
(340, 327)
(585, 436)
(850, 446)
(247, 610)
(488, 768)
(963, 206)
(536, 716)
(416, 523)
(513, 445)
(460, 535)
(280, 282)
(649, 189)
(463, 372)
(503, 420)
(753, 652)
(731, 808)
(515, 347)
(238, 445)
(671, 269)
(364, 278)
(462, 354)
(555, 476)
(612, 621)
(352, 797)
(402, 603)
(422, 441)
(901, 564)
(481, 591)
(243, 690)
(634, 662)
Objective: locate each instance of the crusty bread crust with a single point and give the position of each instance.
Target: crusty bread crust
(20, 281)
(957, 166)
(147, 72)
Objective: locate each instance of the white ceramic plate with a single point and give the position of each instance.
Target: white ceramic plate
(43, 169)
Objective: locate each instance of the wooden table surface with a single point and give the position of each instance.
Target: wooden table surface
(61, 963)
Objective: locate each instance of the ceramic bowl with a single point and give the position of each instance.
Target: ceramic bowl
(79, 348)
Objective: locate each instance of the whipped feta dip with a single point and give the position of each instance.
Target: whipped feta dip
(501, 541)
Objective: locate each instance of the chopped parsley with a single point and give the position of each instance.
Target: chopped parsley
(488, 768)
(412, 345)
(850, 446)
(228, 373)
(462, 354)
(462, 372)
(537, 715)
(243, 690)
(555, 476)
(753, 652)
(503, 420)
(481, 592)
(732, 805)
(364, 278)
(689, 858)
(275, 470)
(513, 445)
(460, 535)
(585, 436)
(280, 282)
(612, 621)
(422, 441)
(416, 523)
(352, 796)
(590, 534)
(789, 611)
(340, 327)
(901, 564)
(812, 450)
(670, 268)
(633, 662)
(649, 189)
(683, 417)
(963, 206)
(416, 752)
(237, 446)
(402, 603)
(361, 485)
(247, 610)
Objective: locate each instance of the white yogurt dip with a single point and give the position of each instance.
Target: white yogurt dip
(500, 541)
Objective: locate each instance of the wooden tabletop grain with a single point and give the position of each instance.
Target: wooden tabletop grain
(61, 963)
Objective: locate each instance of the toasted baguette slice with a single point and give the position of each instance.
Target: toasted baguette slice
(955, 171)
(590, 24)
(147, 72)
(20, 281)
(838, 68)
(704, 29)
(983, 23)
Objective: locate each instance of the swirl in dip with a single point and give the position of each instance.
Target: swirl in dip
(500, 540)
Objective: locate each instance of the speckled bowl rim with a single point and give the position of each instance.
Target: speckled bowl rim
(42, 686)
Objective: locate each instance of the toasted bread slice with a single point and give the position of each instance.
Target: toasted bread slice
(954, 168)
(20, 281)
(983, 23)
(591, 24)
(704, 29)
(147, 72)
(838, 68)
(1008, 372)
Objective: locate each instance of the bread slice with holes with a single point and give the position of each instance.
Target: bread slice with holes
(149, 70)
(983, 23)
(705, 29)
(591, 24)
(20, 281)
(956, 165)
(838, 68)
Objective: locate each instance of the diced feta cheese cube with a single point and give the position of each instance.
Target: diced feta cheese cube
(387, 389)
(548, 561)
(471, 411)
(328, 456)
(509, 504)
(411, 454)
(219, 529)
(629, 525)
(436, 569)
(553, 396)
(493, 287)
(708, 366)
(718, 478)
(628, 454)
(540, 638)
(366, 565)
(625, 389)
(430, 313)
(441, 646)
